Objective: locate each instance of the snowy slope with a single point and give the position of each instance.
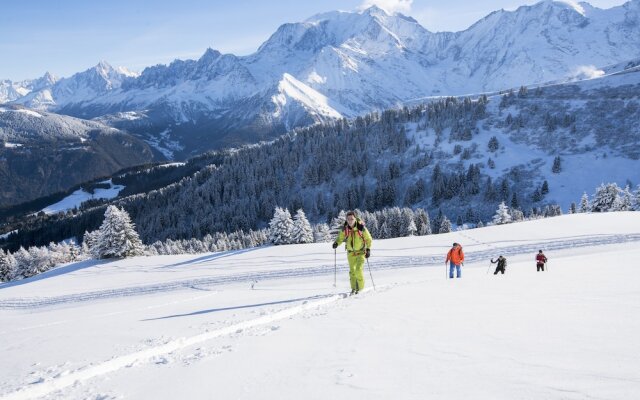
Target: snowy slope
(76, 198)
(268, 323)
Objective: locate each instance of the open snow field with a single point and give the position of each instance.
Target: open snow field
(267, 323)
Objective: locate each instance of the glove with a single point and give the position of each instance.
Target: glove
(367, 253)
(334, 245)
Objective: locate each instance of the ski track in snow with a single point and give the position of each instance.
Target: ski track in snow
(389, 263)
(156, 353)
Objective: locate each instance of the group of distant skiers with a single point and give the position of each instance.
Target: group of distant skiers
(541, 261)
(358, 241)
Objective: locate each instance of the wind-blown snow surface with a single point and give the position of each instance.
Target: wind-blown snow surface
(193, 327)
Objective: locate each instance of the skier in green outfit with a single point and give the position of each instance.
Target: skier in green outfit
(358, 244)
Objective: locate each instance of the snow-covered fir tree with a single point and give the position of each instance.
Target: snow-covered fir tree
(321, 233)
(39, 261)
(423, 224)
(23, 262)
(573, 208)
(557, 165)
(281, 227)
(302, 232)
(635, 202)
(384, 231)
(90, 242)
(118, 237)
(516, 215)
(502, 215)
(8, 267)
(445, 225)
(584, 203)
(407, 220)
(412, 229)
(606, 198)
(337, 223)
(624, 202)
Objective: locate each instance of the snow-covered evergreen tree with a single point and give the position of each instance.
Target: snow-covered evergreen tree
(39, 261)
(23, 262)
(408, 222)
(302, 232)
(281, 227)
(605, 198)
(557, 165)
(573, 208)
(423, 224)
(412, 229)
(635, 202)
(337, 223)
(445, 225)
(118, 237)
(624, 202)
(584, 203)
(7, 266)
(384, 231)
(90, 242)
(74, 251)
(516, 215)
(322, 234)
(502, 215)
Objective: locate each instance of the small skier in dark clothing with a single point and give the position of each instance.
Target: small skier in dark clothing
(541, 260)
(502, 264)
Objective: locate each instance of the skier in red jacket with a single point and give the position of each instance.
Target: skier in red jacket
(455, 256)
(541, 260)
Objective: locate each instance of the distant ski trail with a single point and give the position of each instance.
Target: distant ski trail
(407, 261)
(91, 371)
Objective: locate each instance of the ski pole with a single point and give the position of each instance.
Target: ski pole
(371, 275)
(489, 267)
(335, 266)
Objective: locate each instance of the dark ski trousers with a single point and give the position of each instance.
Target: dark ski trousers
(498, 269)
(540, 267)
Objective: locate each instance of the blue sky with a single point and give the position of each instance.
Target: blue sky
(69, 36)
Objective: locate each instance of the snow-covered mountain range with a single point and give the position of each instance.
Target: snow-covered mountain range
(340, 64)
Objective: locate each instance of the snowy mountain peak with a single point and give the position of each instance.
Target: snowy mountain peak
(209, 56)
(47, 80)
(564, 4)
(105, 70)
(375, 11)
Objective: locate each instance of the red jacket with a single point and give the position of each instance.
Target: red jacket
(541, 259)
(455, 255)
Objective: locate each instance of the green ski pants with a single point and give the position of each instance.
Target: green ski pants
(356, 266)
